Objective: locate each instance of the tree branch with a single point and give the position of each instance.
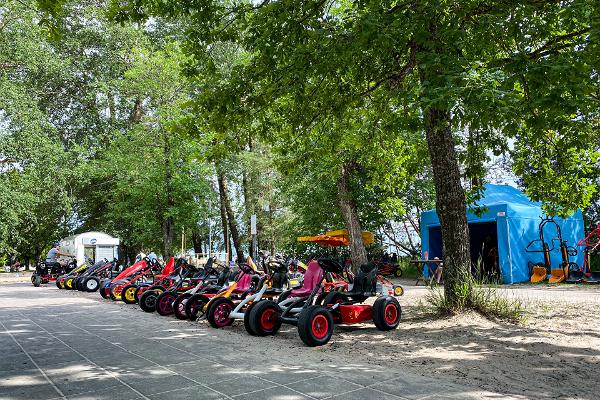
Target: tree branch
(398, 77)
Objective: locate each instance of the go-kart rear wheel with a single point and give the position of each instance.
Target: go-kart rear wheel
(128, 294)
(194, 306)
(148, 301)
(398, 272)
(90, 284)
(104, 292)
(249, 328)
(164, 303)
(218, 312)
(36, 280)
(386, 313)
(179, 305)
(58, 282)
(315, 326)
(264, 318)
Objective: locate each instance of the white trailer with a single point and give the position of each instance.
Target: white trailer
(93, 245)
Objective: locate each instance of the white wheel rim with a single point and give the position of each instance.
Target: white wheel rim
(92, 284)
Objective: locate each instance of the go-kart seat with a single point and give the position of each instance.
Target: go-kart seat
(312, 277)
(244, 281)
(364, 286)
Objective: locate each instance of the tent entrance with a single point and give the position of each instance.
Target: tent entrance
(483, 250)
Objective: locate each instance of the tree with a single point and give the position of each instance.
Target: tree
(450, 65)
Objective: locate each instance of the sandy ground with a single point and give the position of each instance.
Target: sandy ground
(554, 353)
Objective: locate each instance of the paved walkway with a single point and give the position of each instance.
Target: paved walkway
(67, 345)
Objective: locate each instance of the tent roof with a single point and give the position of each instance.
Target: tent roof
(496, 198)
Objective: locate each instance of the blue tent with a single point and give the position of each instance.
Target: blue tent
(511, 219)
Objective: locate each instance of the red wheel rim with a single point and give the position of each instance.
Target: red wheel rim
(390, 314)
(320, 326)
(222, 312)
(267, 319)
(165, 304)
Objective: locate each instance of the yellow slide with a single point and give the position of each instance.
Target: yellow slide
(539, 274)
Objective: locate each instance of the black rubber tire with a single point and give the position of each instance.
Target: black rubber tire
(126, 300)
(90, 284)
(69, 283)
(381, 319)
(79, 283)
(58, 282)
(36, 280)
(398, 272)
(168, 298)
(319, 299)
(193, 307)
(247, 318)
(256, 315)
(104, 291)
(179, 306)
(305, 326)
(148, 301)
(211, 312)
(284, 295)
(138, 293)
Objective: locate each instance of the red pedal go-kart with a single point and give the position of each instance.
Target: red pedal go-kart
(140, 271)
(315, 321)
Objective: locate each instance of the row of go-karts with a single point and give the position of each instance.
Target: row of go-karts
(264, 297)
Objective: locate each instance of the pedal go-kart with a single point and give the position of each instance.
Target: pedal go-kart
(66, 281)
(224, 310)
(315, 321)
(141, 270)
(131, 293)
(160, 297)
(45, 273)
(89, 280)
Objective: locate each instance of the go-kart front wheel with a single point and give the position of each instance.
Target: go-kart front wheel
(386, 313)
(218, 312)
(148, 301)
(195, 305)
(264, 318)
(36, 280)
(69, 283)
(90, 284)
(164, 303)
(58, 285)
(315, 326)
(128, 294)
(179, 305)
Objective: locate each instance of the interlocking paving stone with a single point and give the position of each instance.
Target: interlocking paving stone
(323, 387)
(104, 350)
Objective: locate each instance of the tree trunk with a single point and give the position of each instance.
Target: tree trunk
(168, 222)
(137, 112)
(197, 242)
(450, 202)
(249, 205)
(237, 242)
(235, 236)
(223, 219)
(358, 254)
